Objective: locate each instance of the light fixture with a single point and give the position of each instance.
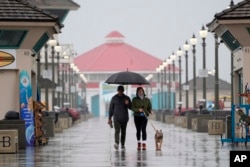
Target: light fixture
(193, 40)
(179, 52)
(203, 32)
(52, 42)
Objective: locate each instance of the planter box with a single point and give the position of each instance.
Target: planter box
(9, 141)
(215, 127)
(200, 124)
(18, 125)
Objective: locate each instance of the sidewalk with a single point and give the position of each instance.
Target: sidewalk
(90, 144)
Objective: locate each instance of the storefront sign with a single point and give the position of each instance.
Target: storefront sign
(7, 59)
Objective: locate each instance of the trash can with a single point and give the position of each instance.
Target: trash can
(10, 115)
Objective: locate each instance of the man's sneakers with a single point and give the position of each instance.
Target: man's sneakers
(122, 147)
(116, 146)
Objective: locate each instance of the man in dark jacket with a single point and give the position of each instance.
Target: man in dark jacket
(118, 109)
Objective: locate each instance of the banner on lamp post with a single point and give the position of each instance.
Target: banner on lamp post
(158, 85)
(59, 89)
(203, 73)
(66, 86)
(173, 87)
(47, 74)
(73, 89)
(185, 87)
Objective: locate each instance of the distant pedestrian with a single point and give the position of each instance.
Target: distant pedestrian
(118, 109)
(57, 111)
(141, 106)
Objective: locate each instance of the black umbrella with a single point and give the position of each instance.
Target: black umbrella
(127, 78)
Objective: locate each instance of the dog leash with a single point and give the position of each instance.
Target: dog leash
(152, 125)
(150, 122)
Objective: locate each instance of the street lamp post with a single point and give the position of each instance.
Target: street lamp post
(158, 70)
(72, 85)
(179, 54)
(65, 92)
(148, 87)
(216, 77)
(162, 81)
(53, 43)
(169, 83)
(193, 42)
(63, 83)
(164, 66)
(186, 47)
(164, 87)
(46, 69)
(173, 58)
(84, 81)
(203, 34)
(38, 76)
(76, 86)
(232, 78)
(58, 50)
(68, 75)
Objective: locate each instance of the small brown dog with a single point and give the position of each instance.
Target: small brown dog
(158, 139)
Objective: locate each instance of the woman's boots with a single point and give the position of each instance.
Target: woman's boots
(141, 146)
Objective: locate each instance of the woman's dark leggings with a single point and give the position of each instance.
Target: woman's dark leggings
(141, 124)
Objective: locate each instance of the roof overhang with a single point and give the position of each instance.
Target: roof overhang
(14, 25)
(60, 7)
(232, 32)
(232, 25)
(35, 31)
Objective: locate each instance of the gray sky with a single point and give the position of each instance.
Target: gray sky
(157, 27)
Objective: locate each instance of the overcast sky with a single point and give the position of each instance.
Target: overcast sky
(157, 27)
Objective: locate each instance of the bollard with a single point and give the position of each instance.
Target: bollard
(201, 123)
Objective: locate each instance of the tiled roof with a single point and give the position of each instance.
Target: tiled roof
(238, 11)
(67, 4)
(19, 10)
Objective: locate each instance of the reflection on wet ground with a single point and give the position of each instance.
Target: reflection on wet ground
(90, 143)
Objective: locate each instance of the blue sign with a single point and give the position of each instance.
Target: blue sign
(26, 108)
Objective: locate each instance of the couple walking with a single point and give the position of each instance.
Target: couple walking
(118, 109)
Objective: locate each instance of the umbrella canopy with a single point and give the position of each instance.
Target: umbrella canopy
(127, 78)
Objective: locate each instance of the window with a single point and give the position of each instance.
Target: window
(11, 39)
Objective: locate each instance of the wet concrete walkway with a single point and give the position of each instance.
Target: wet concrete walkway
(90, 144)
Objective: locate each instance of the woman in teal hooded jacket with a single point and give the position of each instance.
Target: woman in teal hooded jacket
(141, 106)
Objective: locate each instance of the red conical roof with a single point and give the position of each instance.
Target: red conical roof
(115, 55)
